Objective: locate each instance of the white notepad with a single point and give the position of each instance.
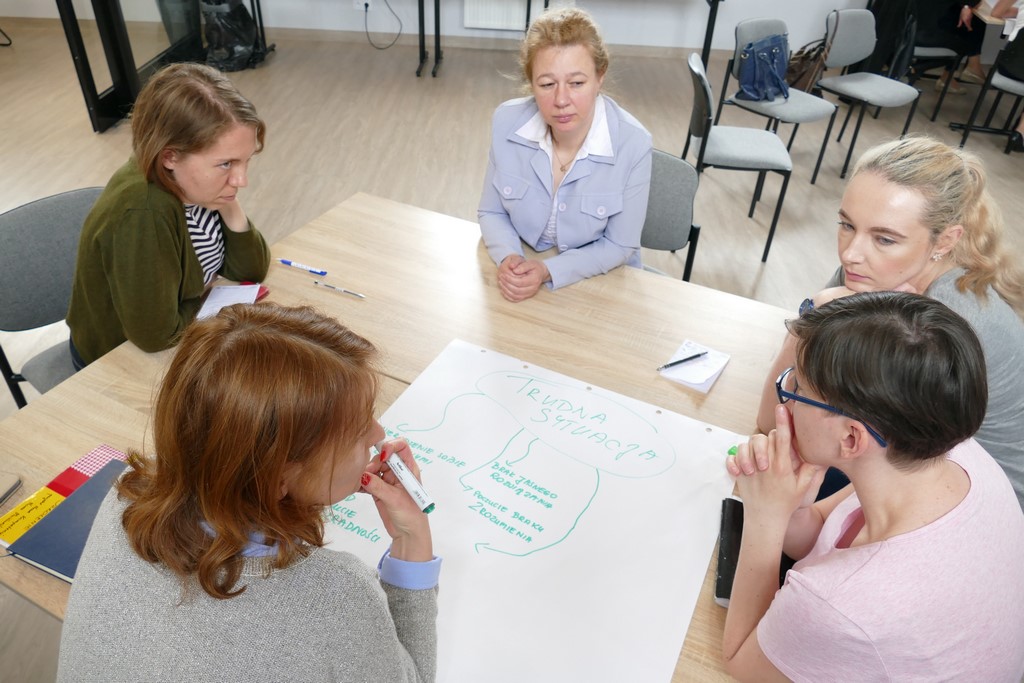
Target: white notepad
(225, 295)
(699, 373)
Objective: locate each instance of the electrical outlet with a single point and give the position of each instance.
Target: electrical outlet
(360, 4)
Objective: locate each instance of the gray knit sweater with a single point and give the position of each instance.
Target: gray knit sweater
(326, 618)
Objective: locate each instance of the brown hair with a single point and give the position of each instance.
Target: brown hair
(247, 393)
(185, 108)
(562, 27)
(953, 185)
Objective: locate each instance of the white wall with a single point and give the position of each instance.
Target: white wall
(657, 23)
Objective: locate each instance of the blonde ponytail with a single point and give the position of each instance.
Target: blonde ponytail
(953, 184)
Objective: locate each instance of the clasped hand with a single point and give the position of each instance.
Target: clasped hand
(772, 478)
(520, 278)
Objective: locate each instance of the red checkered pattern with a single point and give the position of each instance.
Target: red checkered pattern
(91, 463)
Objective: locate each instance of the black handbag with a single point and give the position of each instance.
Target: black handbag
(763, 69)
(1010, 62)
(230, 35)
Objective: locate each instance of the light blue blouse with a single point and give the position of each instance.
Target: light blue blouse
(601, 203)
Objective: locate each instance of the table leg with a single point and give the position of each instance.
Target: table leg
(438, 55)
(423, 41)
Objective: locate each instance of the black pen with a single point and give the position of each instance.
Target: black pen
(681, 361)
(339, 289)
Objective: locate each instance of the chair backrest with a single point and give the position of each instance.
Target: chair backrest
(703, 110)
(670, 206)
(854, 37)
(904, 54)
(38, 250)
(752, 30)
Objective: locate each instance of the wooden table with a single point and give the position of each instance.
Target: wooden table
(428, 280)
(984, 12)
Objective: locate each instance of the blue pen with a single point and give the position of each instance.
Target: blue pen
(300, 266)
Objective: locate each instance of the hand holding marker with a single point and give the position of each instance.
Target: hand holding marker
(408, 480)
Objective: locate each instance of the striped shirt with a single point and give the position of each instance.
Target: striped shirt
(206, 232)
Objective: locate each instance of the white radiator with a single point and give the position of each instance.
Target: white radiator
(507, 15)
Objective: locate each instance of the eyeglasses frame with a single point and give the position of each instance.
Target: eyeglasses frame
(784, 396)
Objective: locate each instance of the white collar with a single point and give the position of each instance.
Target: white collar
(598, 141)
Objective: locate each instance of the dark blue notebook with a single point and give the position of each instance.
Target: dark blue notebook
(56, 541)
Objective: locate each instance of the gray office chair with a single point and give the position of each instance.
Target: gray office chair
(38, 249)
(669, 223)
(927, 58)
(735, 148)
(800, 107)
(1001, 84)
(855, 40)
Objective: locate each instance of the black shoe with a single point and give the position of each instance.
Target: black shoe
(1016, 141)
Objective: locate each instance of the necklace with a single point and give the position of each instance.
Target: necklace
(562, 167)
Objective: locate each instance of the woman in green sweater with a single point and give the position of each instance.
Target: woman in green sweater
(169, 221)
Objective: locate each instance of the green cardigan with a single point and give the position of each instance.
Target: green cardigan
(137, 276)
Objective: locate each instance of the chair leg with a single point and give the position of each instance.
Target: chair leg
(992, 111)
(974, 112)
(853, 142)
(1011, 120)
(686, 148)
(942, 95)
(721, 93)
(849, 111)
(775, 218)
(878, 110)
(691, 251)
(792, 136)
(757, 193)
(910, 115)
(12, 380)
(821, 154)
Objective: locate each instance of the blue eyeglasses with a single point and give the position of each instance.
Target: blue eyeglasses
(785, 395)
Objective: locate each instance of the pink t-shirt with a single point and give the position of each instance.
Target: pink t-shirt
(944, 602)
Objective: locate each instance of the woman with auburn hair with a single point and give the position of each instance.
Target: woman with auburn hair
(206, 559)
(568, 168)
(916, 216)
(169, 221)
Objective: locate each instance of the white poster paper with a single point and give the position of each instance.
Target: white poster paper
(576, 525)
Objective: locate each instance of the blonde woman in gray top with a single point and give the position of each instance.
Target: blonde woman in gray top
(916, 216)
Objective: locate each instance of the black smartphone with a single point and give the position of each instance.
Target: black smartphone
(729, 536)
(9, 483)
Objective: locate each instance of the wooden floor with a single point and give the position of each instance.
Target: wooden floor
(343, 117)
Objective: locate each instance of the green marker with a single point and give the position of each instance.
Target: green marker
(734, 450)
(408, 480)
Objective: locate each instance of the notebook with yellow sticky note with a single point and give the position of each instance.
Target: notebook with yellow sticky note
(30, 511)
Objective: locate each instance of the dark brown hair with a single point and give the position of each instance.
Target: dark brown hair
(904, 363)
(247, 393)
(185, 108)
